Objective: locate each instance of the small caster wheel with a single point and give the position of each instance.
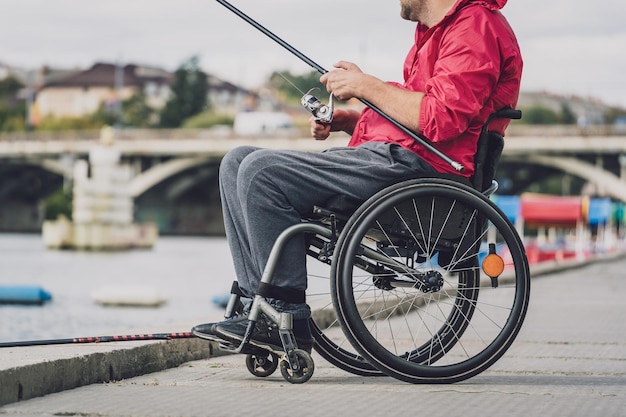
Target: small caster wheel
(261, 366)
(304, 373)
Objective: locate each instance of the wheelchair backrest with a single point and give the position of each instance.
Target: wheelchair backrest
(489, 150)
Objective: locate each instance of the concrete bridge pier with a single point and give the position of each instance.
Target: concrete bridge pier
(102, 207)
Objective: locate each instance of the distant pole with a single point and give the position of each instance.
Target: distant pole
(119, 86)
(29, 100)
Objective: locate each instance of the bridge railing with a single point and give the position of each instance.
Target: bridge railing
(564, 130)
(133, 134)
(226, 133)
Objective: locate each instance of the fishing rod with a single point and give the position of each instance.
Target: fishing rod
(100, 339)
(422, 140)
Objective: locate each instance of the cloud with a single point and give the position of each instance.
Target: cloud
(577, 64)
(554, 18)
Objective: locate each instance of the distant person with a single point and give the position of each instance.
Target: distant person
(464, 65)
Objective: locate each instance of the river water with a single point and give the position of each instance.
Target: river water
(187, 271)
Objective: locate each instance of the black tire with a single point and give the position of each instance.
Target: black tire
(302, 375)
(262, 365)
(426, 312)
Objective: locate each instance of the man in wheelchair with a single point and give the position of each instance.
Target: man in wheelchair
(464, 65)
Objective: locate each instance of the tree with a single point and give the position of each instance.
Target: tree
(189, 94)
(9, 87)
(540, 115)
(58, 203)
(12, 110)
(293, 86)
(136, 112)
(568, 117)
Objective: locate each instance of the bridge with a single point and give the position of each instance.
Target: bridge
(175, 169)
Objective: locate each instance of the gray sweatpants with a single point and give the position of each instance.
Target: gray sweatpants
(265, 191)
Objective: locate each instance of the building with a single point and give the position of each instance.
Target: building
(80, 93)
(229, 98)
(83, 92)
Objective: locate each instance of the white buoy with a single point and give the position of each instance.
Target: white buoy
(129, 296)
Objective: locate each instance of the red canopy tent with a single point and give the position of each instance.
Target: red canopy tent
(550, 210)
(549, 213)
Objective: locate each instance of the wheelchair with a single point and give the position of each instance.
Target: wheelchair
(427, 281)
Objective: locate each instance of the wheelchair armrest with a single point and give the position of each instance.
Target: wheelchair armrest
(507, 113)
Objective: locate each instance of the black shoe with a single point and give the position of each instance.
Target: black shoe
(265, 333)
(205, 331)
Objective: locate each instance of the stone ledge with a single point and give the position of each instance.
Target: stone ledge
(55, 375)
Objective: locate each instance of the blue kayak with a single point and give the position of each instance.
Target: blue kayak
(23, 294)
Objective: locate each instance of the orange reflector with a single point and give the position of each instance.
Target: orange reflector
(493, 265)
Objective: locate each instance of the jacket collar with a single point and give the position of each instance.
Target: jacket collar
(490, 4)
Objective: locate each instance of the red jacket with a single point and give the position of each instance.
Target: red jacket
(468, 66)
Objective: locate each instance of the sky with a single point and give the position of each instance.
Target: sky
(569, 48)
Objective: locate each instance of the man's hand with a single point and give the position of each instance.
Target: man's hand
(319, 131)
(343, 120)
(348, 81)
(345, 81)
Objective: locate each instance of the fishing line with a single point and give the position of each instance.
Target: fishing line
(292, 84)
(422, 140)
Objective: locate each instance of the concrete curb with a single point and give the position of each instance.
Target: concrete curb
(55, 375)
(551, 267)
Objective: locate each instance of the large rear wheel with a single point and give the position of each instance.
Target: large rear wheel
(430, 281)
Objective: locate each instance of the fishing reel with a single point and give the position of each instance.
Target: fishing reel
(321, 112)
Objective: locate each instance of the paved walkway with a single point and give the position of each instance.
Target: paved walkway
(569, 360)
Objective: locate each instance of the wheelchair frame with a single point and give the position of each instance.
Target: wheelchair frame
(343, 251)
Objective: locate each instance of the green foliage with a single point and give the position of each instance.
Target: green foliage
(540, 115)
(58, 203)
(12, 111)
(9, 87)
(208, 119)
(282, 82)
(12, 117)
(51, 123)
(101, 117)
(189, 94)
(137, 113)
(568, 117)
(614, 114)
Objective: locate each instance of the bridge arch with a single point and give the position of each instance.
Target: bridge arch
(158, 173)
(609, 183)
